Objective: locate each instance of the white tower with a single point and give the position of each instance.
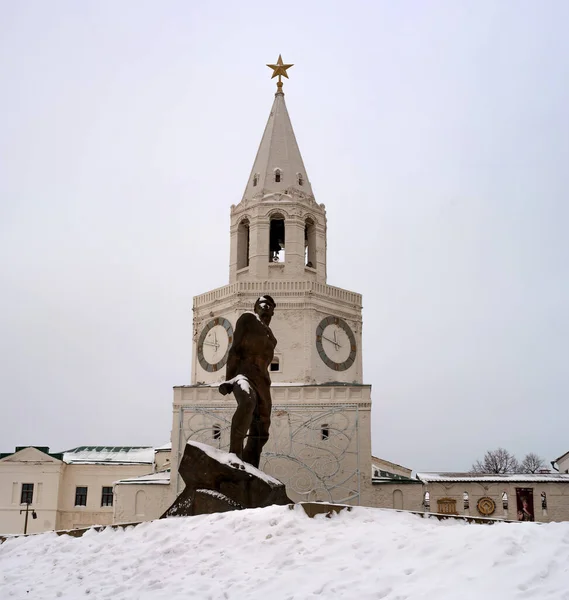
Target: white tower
(320, 434)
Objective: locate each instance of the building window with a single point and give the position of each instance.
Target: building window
(243, 244)
(427, 501)
(106, 496)
(543, 501)
(81, 496)
(446, 506)
(277, 175)
(325, 432)
(216, 432)
(27, 495)
(275, 364)
(300, 179)
(277, 239)
(505, 501)
(255, 179)
(466, 501)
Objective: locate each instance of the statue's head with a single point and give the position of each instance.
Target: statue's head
(265, 306)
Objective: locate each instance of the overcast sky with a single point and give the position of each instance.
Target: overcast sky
(436, 133)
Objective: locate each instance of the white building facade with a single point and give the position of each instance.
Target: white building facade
(65, 490)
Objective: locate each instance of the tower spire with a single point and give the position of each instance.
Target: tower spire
(279, 70)
(278, 166)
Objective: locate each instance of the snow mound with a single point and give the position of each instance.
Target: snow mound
(278, 553)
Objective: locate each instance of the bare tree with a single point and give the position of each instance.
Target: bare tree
(497, 461)
(532, 463)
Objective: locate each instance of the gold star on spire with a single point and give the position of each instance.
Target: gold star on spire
(279, 70)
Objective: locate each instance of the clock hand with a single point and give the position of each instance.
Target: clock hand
(215, 345)
(332, 342)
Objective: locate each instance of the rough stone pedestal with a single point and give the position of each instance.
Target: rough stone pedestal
(217, 481)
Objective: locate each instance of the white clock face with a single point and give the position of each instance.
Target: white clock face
(214, 343)
(336, 343)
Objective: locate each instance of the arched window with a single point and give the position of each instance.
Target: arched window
(398, 499)
(243, 244)
(275, 364)
(505, 501)
(277, 175)
(140, 503)
(466, 500)
(277, 239)
(300, 179)
(255, 179)
(325, 431)
(310, 243)
(427, 501)
(216, 432)
(543, 501)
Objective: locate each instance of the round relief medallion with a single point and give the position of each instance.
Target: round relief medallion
(336, 343)
(214, 343)
(486, 506)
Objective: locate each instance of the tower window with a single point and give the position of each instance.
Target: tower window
(310, 243)
(277, 175)
(325, 431)
(216, 432)
(255, 179)
(300, 179)
(275, 364)
(277, 239)
(243, 244)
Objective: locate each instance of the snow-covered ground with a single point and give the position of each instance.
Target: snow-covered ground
(277, 553)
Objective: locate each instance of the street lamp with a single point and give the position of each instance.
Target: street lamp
(27, 510)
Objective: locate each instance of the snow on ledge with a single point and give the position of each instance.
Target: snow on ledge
(160, 478)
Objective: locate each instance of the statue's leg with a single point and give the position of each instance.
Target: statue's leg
(259, 431)
(246, 402)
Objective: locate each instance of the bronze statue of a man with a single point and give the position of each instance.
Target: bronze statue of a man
(247, 376)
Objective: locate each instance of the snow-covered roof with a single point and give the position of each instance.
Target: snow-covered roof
(494, 477)
(92, 455)
(160, 478)
(167, 446)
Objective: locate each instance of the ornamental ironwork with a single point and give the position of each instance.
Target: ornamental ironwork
(312, 449)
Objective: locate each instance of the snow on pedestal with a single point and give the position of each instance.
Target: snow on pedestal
(218, 481)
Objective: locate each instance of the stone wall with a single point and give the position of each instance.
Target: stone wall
(557, 496)
(141, 502)
(399, 495)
